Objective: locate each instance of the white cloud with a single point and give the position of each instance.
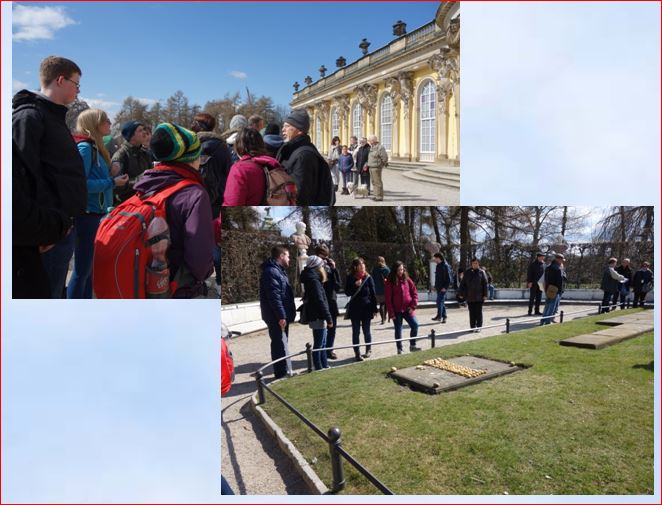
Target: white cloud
(98, 103)
(101, 95)
(17, 85)
(239, 74)
(146, 101)
(38, 23)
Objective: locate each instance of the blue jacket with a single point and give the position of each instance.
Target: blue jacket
(99, 183)
(276, 295)
(442, 276)
(345, 162)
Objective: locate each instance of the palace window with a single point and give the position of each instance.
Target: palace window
(427, 127)
(357, 123)
(318, 133)
(335, 124)
(387, 123)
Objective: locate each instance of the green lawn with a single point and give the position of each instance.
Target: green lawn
(577, 421)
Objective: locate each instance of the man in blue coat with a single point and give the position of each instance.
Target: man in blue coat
(277, 304)
(442, 281)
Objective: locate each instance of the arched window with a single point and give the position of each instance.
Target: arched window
(357, 121)
(427, 126)
(387, 122)
(318, 133)
(335, 123)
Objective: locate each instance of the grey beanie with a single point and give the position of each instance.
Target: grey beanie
(314, 262)
(299, 119)
(238, 121)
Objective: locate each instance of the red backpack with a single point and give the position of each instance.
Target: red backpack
(121, 249)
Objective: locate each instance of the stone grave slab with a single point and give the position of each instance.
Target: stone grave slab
(625, 330)
(632, 318)
(434, 380)
(604, 338)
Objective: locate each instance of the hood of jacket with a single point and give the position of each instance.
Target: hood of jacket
(273, 141)
(25, 97)
(160, 177)
(263, 159)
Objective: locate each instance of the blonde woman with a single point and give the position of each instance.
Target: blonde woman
(317, 307)
(91, 126)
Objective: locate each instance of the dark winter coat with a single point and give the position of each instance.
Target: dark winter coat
(331, 288)
(534, 272)
(364, 304)
(400, 296)
(188, 213)
(627, 273)
(554, 276)
(442, 276)
(52, 177)
(215, 163)
(317, 305)
(609, 284)
(276, 295)
(473, 287)
(641, 278)
(310, 171)
(379, 275)
(134, 160)
(246, 181)
(362, 156)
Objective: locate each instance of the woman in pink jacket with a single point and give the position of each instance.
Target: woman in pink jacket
(246, 180)
(401, 299)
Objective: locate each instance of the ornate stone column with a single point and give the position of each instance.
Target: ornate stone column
(407, 98)
(367, 95)
(392, 87)
(341, 103)
(446, 67)
(323, 113)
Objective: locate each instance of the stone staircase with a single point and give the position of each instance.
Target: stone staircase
(433, 173)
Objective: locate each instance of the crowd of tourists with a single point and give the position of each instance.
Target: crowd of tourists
(388, 294)
(64, 185)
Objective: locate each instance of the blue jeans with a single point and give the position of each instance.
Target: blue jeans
(491, 290)
(441, 307)
(331, 333)
(346, 176)
(225, 487)
(623, 293)
(551, 306)
(80, 284)
(413, 331)
(356, 330)
(278, 348)
(319, 342)
(56, 263)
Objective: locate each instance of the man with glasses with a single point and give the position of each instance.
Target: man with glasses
(49, 188)
(133, 159)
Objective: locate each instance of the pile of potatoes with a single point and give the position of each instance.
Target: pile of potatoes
(464, 371)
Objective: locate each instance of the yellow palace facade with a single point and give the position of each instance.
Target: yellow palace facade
(407, 93)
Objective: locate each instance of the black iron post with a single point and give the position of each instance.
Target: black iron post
(336, 460)
(309, 356)
(433, 338)
(260, 390)
(561, 316)
(507, 325)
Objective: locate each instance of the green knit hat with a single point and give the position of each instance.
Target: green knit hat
(171, 142)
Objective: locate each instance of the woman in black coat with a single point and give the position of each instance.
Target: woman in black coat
(317, 307)
(362, 306)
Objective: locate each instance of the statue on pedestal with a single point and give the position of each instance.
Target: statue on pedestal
(302, 242)
(432, 248)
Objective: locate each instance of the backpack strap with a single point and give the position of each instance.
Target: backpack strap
(159, 197)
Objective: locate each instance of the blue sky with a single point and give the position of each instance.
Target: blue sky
(150, 50)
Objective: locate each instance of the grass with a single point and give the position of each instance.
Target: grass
(577, 421)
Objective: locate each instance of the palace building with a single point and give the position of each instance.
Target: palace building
(406, 92)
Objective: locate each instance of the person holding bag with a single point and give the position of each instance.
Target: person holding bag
(316, 308)
(401, 298)
(362, 305)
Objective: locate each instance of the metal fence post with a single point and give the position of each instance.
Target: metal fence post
(309, 356)
(336, 461)
(561, 317)
(600, 308)
(433, 338)
(507, 325)
(260, 389)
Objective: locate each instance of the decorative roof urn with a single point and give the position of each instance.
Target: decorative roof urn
(399, 28)
(322, 70)
(341, 62)
(364, 46)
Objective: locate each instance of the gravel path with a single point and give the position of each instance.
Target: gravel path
(251, 461)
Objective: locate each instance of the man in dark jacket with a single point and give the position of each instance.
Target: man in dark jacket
(625, 270)
(642, 284)
(49, 187)
(474, 290)
(304, 163)
(535, 271)
(554, 276)
(442, 281)
(331, 288)
(132, 157)
(277, 304)
(361, 159)
(610, 285)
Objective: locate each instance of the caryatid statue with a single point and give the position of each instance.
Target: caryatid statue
(302, 242)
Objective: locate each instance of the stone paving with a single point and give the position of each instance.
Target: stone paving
(400, 190)
(251, 461)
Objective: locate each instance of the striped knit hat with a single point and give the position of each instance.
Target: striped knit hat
(171, 142)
